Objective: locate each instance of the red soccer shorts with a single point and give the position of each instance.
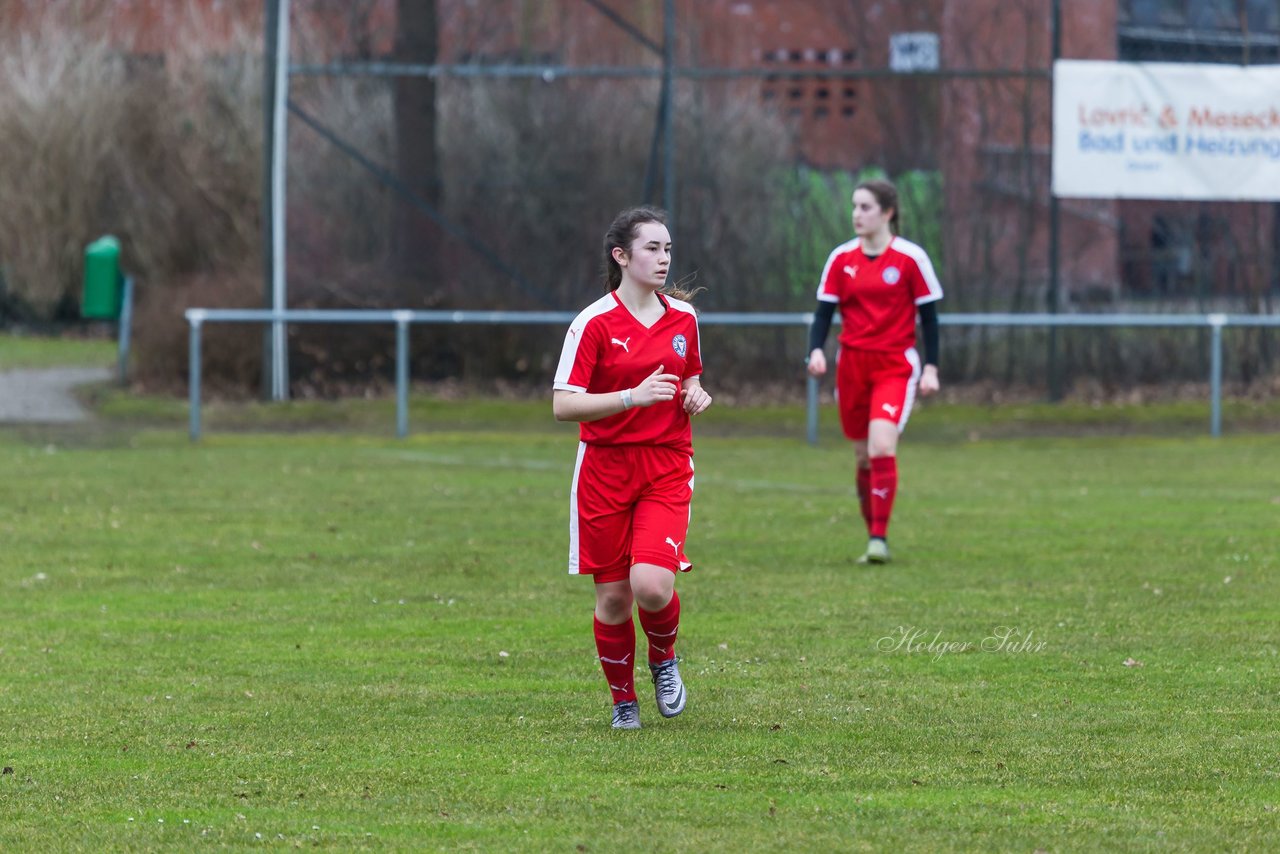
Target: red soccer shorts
(628, 504)
(873, 384)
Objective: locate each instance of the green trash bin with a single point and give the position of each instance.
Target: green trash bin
(103, 291)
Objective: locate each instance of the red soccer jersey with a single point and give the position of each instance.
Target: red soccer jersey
(878, 296)
(607, 349)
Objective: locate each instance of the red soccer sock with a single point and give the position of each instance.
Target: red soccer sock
(884, 486)
(864, 494)
(661, 628)
(616, 646)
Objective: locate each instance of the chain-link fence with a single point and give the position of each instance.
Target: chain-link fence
(548, 123)
(450, 154)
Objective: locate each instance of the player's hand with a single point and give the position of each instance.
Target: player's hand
(817, 363)
(929, 380)
(695, 398)
(655, 388)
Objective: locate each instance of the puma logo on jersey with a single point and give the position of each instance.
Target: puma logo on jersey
(673, 545)
(852, 271)
(623, 344)
(880, 493)
(892, 410)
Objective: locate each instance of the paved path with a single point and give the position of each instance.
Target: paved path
(44, 396)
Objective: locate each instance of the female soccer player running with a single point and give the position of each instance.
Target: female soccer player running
(629, 372)
(880, 281)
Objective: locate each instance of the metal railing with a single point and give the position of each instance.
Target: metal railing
(402, 319)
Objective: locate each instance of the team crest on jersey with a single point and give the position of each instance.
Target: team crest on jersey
(680, 345)
(891, 275)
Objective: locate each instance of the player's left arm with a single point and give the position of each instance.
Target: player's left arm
(929, 331)
(693, 396)
(927, 290)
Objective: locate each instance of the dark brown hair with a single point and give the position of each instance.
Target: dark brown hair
(621, 234)
(886, 196)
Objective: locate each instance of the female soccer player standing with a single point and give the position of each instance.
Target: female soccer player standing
(629, 372)
(880, 281)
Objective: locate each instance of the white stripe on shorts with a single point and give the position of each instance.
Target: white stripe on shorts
(684, 564)
(573, 511)
(914, 358)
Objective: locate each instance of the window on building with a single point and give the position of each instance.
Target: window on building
(1213, 15)
(817, 95)
(1226, 31)
(1263, 15)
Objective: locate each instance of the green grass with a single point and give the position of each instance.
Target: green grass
(28, 351)
(345, 642)
(933, 421)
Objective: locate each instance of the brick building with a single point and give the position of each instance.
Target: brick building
(983, 122)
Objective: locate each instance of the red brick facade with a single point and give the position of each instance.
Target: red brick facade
(987, 135)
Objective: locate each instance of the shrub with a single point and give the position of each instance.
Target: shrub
(165, 154)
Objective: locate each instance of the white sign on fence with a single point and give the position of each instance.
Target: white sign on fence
(913, 52)
(1131, 130)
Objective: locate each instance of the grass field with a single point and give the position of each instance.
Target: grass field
(345, 642)
(36, 351)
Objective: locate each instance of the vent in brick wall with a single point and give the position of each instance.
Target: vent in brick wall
(800, 94)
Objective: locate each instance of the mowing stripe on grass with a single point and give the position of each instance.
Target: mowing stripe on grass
(526, 464)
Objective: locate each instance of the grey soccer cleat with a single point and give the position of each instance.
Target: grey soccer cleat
(877, 552)
(668, 688)
(626, 715)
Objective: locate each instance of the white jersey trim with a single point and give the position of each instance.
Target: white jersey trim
(826, 268)
(573, 338)
(681, 305)
(916, 253)
(687, 308)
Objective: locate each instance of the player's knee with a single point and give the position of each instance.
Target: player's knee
(652, 594)
(883, 443)
(614, 604)
(886, 449)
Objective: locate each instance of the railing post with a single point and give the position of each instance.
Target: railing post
(402, 372)
(811, 391)
(813, 409)
(126, 324)
(1216, 322)
(196, 318)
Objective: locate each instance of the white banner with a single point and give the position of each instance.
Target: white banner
(1130, 130)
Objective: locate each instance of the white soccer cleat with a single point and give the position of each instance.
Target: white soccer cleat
(626, 715)
(668, 688)
(877, 552)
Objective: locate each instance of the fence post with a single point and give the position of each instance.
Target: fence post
(196, 318)
(402, 372)
(813, 409)
(1216, 322)
(126, 324)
